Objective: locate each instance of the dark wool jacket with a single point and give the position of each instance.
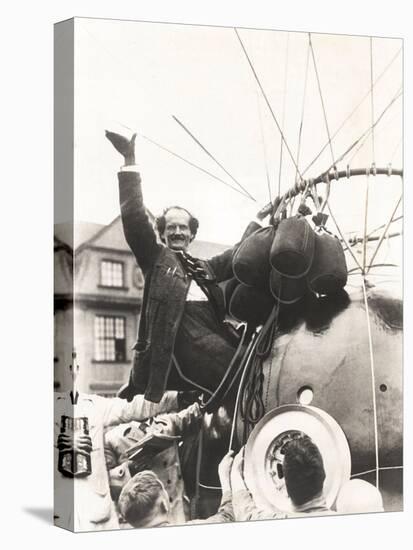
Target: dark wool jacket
(165, 290)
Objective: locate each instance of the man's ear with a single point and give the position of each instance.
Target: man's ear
(192, 237)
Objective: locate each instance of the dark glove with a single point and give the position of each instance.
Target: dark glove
(127, 391)
(187, 398)
(123, 145)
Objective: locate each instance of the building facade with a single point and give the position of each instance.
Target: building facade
(97, 303)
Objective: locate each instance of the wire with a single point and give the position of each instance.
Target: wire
(373, 383)
(210, 155)
(266, 100)
(192, 164)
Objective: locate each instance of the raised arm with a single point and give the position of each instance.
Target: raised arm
(139, 232)
(118, 410)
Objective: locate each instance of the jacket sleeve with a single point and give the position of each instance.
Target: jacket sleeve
(139, 232)
(221, 264)
(246, 510)
(225, 512)
(183, 423)
(120, 410)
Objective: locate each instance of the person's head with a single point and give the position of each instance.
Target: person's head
(303, 470)
(358, 496)
(144, 501)
(177, 227)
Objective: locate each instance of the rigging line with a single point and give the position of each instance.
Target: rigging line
(193, 165)
(211, 156)
(267, 102)
(381, 226)
(302, 109)
(352, 112)
(382, 468)
(396, 149)
(366, 203)
(321, 98)
(371, 239)
(264, 148)
(283, 112)
(240, 387)
(342, 236)
(373, 383)
(385, 230)
(365, 140)
(367, 132)
(366, 208)
(372, 99)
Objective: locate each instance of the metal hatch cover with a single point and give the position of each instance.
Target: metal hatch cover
(263, 453)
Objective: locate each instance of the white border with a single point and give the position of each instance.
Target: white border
(26, 273)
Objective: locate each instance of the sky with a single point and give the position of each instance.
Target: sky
(132, 76)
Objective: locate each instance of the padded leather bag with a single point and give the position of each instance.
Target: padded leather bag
(328, 273)
(250, 264)
(286, 289)
(250, 305)
(292, 249)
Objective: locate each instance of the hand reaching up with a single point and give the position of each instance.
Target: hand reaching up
(123, 145)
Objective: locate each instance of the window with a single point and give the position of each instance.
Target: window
(111, 273)
(110, 340)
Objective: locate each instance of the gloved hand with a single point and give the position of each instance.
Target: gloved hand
(123, 145)
(186, 398)
(127, 391)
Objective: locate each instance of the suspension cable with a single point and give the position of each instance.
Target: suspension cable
(350, 115)
(264, 148)
(193, 164)
(373, 384)
(283, 112)
(321, 98)
(266, 101)
(385, 231)
(303, 107)
(182, 125)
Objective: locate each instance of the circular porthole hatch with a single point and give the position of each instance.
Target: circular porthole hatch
(305, 395)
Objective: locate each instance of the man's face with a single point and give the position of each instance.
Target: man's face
(177, 234)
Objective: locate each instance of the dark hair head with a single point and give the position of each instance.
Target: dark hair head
(139, 497)
(303, 470)
(160, 221)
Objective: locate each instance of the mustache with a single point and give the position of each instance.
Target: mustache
(177, 238)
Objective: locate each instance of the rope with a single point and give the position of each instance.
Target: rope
(193, 164)
(264, 148)
(211, 156)
(373, 384)
(342, 236)
(302, 109)
(198, 465)
(266, 100)
(234, 420)
(385, 231)
(352, 112)
(372, 98)
(321, 98)
(253, 409)
(283, 113)
(381, 470)
(366, 134)
(228, 371)
(186, 379)
(366, 208)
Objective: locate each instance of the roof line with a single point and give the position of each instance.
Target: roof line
(102, 230)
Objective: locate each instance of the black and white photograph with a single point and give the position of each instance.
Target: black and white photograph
(228, 291)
